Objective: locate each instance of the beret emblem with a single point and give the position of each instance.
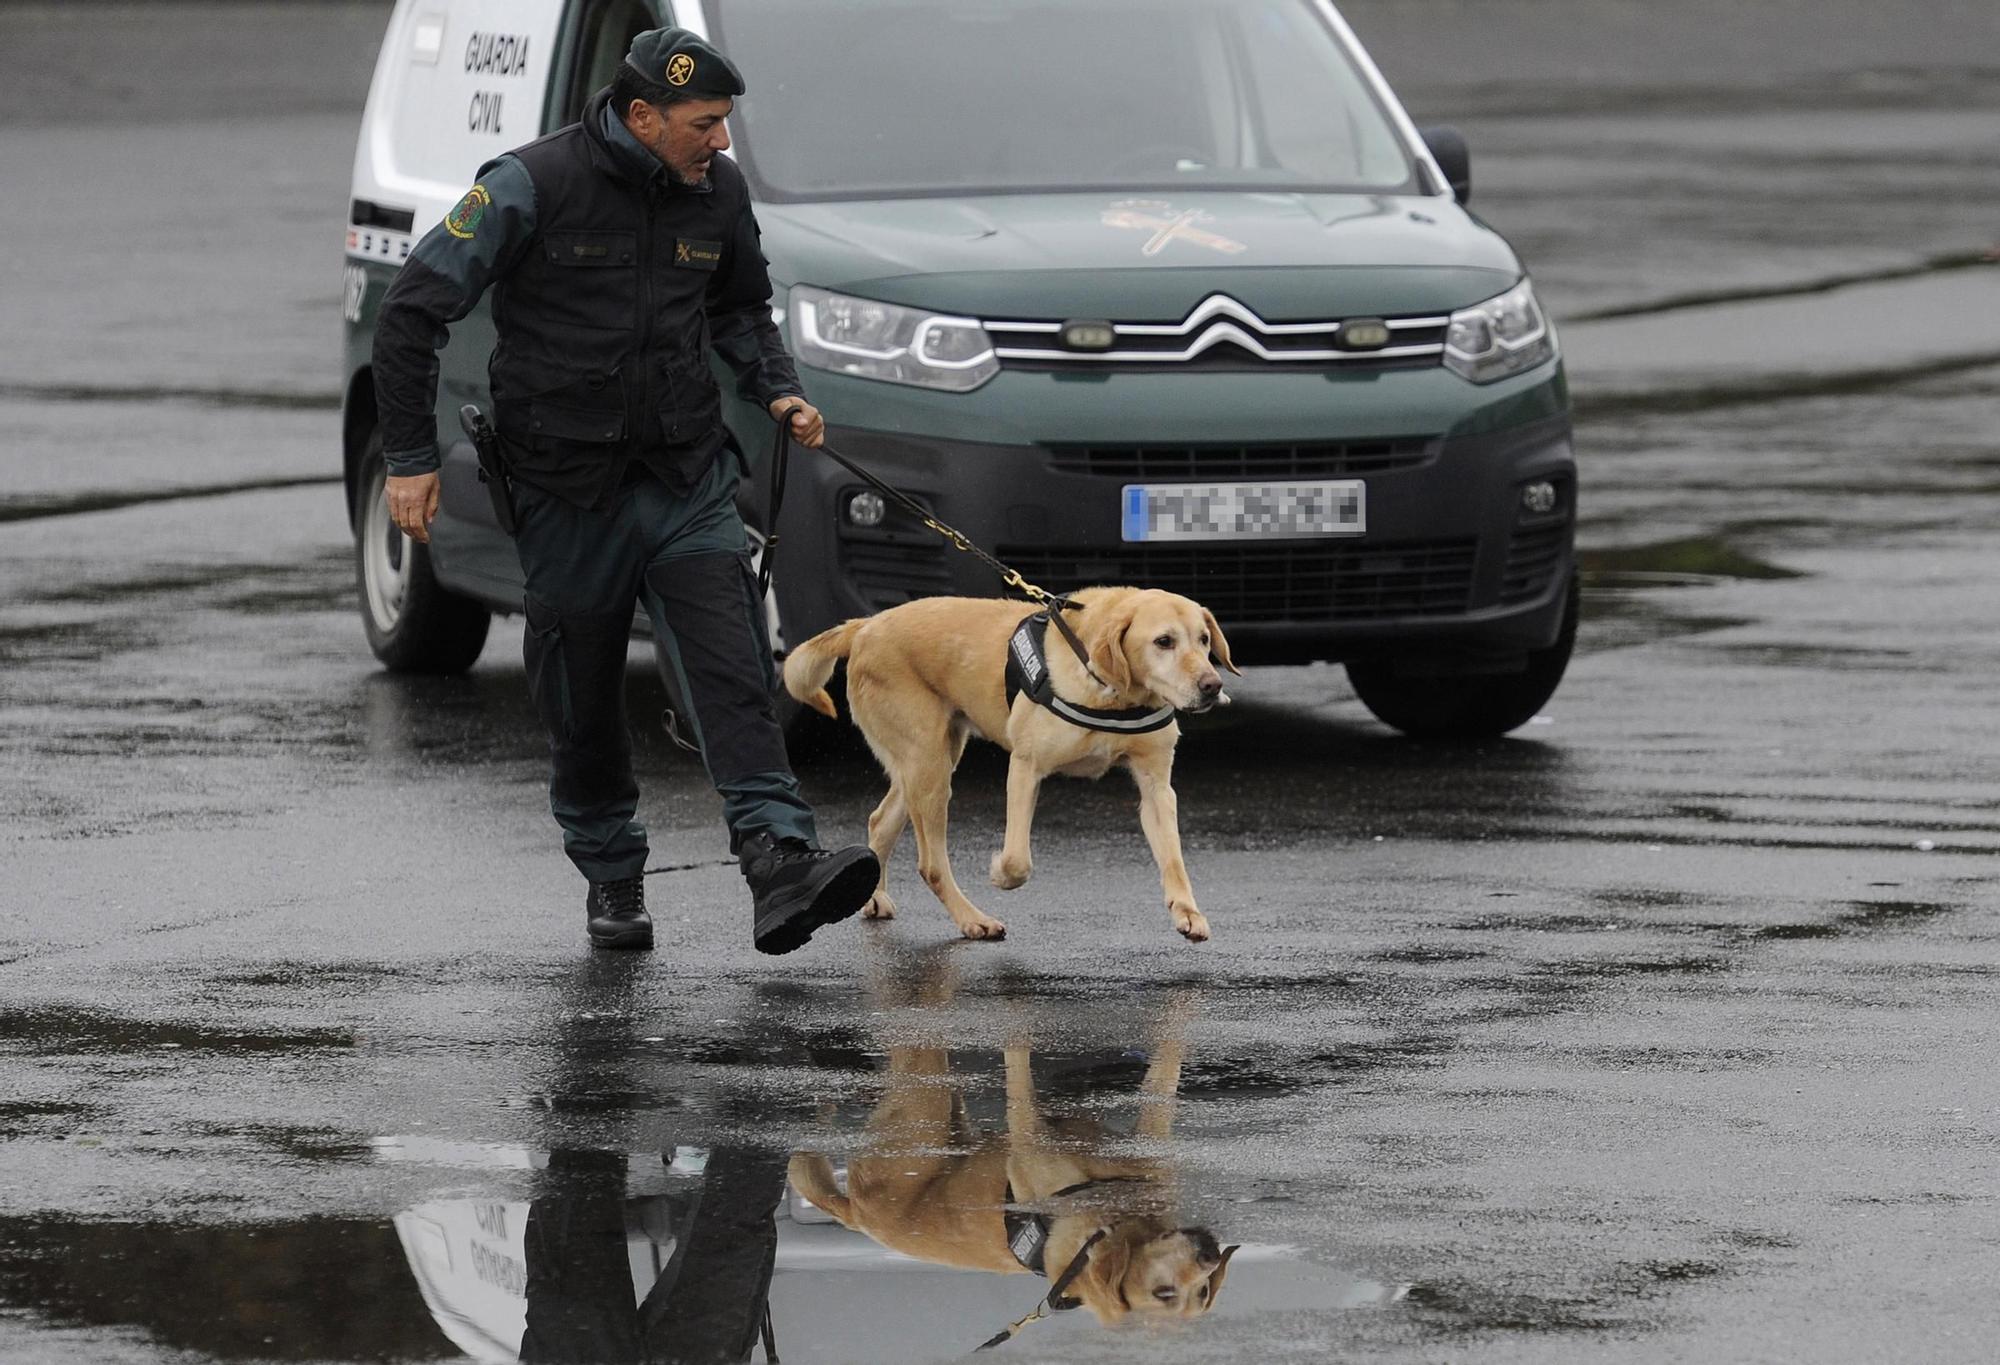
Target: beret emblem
(680, 70)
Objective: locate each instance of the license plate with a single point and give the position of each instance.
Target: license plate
(1245, 511)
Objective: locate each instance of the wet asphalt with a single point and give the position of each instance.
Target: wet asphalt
(1659, 1031)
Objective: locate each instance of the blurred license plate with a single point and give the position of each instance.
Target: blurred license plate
(1245, 511)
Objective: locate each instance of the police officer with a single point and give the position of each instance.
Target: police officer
(620, 250)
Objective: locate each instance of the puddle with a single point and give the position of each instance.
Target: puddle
(1693, 562)
(26, 1118)
(1864, 917)
(273, 1291)
(71, 642)
(1631, 593)
(62, 1030)
(1618, 1299)
(691, 1254)
(935, 1210)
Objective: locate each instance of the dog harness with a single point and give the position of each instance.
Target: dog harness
(1028, 671)
(1028, 1232)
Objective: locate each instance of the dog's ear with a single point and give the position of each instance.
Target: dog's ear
(1104, 1277)
(1107, 645)
(1220, 1273)
(1217, 644)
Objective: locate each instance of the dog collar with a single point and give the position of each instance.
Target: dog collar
(1028, 671)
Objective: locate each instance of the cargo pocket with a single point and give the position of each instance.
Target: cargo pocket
(693, 407)
(548, 676)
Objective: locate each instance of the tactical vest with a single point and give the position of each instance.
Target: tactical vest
(603, 342)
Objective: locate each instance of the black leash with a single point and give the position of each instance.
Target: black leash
(781, 449)
(1054, 1302)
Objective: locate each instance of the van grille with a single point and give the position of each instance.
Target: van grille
(1218, 330)
(889, 574)
(1297, 581)
(1320, 459)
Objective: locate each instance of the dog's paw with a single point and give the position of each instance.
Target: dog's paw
(1190, 923)
(879, 907)
(982, 927)
(1008, 875)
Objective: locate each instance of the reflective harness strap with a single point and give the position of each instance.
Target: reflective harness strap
(1028, 671)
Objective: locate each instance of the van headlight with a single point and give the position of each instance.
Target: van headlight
(885, 341)
(1500, 337)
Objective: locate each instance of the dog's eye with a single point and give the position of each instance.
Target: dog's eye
(1204, 642)
(1165, 642)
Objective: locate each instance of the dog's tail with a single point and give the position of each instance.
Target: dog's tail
(812, 1176)
(809, 666)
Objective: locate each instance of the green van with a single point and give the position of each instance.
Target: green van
(1163, 292)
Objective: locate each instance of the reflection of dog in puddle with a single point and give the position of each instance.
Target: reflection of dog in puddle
(1030, 1199)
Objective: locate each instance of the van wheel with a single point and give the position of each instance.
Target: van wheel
(1471, 706)
(413, 624)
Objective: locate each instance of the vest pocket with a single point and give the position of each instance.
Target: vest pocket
(549, 422)
(590, 280)
(581, 421)
(693, 403)
(583, 250)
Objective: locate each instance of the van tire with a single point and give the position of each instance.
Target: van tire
(413, 623)
(1471, 705)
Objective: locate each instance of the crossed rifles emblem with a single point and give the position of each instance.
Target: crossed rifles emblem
(1158, 217)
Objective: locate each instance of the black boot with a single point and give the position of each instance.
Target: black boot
(799, 888)
(618, 917)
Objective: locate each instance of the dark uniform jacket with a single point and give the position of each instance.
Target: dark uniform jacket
(612, 280)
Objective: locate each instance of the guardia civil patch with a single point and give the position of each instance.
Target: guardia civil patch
(463, 220)
(680, 70)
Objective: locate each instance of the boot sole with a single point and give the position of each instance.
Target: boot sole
(624, 938)
(789, 928)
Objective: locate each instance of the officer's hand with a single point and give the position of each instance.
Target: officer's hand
(808, 427)
(413, 504)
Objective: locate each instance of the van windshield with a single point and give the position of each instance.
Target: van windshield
(865, 99)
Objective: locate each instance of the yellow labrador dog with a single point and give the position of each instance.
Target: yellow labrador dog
(1030, 1200)
(925, 677)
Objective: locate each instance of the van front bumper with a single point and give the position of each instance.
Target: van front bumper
(1451, 564)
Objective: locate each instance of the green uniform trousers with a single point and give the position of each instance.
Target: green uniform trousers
(686, 559)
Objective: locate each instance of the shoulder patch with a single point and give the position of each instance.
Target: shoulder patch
(463, 220)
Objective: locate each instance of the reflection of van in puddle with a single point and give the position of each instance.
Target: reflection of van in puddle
(1168, 293)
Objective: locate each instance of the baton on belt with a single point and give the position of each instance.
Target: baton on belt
(492, 464)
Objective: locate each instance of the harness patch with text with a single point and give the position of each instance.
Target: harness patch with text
(694, 255)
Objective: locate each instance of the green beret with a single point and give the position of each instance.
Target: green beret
(684, 64)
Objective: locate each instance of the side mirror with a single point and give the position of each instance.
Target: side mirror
(1453, 158)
